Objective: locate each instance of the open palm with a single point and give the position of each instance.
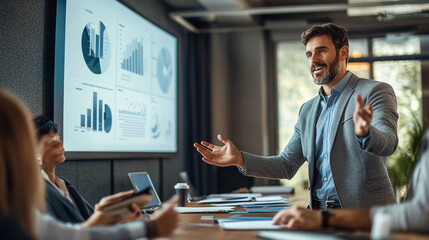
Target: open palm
(227, 155)
(362, 117)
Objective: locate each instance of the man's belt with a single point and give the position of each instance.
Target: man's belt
(328, 204)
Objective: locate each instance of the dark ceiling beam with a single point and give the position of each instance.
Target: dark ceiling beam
(183, 17)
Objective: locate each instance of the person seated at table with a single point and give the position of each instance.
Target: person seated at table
(410, 215)
(63, 200)
(22, 192)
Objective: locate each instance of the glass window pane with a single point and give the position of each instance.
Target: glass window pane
(360, 69)
(396, 44)
(424, 44)
(358, 48)
(294, 87)
(406, 79)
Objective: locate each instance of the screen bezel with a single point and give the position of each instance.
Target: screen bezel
(152, 187)
(59, 93)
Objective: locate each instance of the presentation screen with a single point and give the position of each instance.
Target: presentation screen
(115, 80)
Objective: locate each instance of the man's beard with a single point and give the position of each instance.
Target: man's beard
(330, 72)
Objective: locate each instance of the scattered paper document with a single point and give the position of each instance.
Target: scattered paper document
(270, 198)
(239, 212)
(270, 205)
(263, 210)
(203, 209)
(226, 200)
(272, 189)
(234, 195)
(248, 203)
(253, 201)
(248, 225)
(236, 219)
(291, 235)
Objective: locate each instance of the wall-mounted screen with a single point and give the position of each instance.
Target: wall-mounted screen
(115, 80)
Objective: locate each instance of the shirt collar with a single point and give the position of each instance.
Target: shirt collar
(59, 183)
(45, 176)
(339, 87)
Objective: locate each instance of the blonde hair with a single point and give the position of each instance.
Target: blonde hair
(21, 186)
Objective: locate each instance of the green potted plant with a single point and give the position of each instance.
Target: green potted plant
(401, 164)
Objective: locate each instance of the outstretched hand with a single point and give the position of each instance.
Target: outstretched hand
(227, 155)
(362, 117)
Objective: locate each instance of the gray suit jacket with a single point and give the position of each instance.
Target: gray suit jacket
(360, 175)
(62, 209)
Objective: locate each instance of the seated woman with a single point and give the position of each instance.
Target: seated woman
(64, 202)
(22, 195)
(410, 215)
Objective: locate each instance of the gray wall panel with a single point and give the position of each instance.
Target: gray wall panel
(121, 168)
(237, 97)
(94, 179)
(170, 175)
(68, 170)
(21, 50)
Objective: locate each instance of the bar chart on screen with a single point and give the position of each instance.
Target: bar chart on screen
(97, 117)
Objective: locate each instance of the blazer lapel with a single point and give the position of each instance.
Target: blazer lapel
(60, 197)
(342, 103)
(312, 120)
(82, 207)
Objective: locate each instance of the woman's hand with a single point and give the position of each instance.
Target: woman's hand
(165, 219)
(100, 218)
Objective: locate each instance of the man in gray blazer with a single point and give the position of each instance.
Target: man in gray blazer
(344, 133)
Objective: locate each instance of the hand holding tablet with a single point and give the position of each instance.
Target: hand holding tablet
(122, 206)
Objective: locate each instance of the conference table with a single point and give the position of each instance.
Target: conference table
(192, 226)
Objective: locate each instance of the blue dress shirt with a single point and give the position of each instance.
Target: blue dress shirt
(324, 186)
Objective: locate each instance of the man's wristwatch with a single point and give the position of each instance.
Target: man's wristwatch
(325, 218)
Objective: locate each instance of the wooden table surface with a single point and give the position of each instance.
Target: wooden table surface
(192, 227)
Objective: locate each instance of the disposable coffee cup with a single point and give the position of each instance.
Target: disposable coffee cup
(182, 190)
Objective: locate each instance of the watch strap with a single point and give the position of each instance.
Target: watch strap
(325, 218)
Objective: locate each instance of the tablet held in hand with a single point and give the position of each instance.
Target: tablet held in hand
(121, 207)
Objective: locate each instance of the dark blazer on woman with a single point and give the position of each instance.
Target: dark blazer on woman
(62, 209)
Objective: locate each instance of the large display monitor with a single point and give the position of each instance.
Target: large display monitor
(115, 81)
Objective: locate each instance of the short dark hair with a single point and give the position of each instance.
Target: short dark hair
(337, 34)
(44, 126)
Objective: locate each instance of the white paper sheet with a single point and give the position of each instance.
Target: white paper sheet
(249, 225)
(226, 200)
(234, 195)
(280, 235)
(203, 209)
(247, 203)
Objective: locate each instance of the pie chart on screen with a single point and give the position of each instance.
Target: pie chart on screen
(96, 47)
(155, 126)
(164, 69)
